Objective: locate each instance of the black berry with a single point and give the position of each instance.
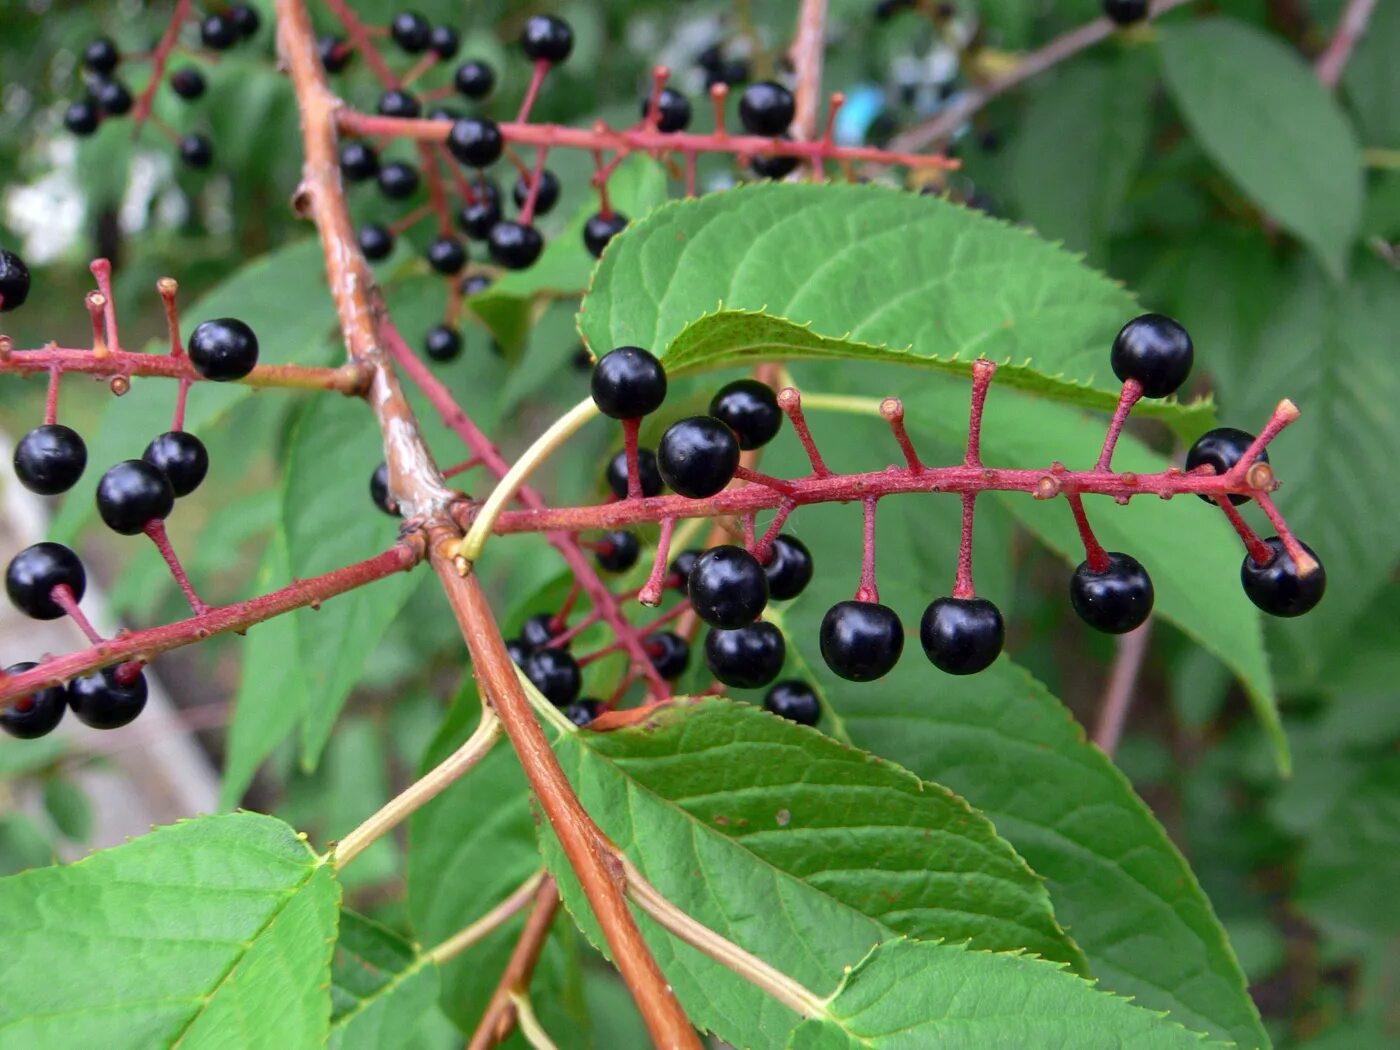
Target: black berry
(545, 198)
(698, 456)
(112, 97)
(444, 114)
(538, 631)
(397, 103)
(861, 641)
(672, 110)
(1115, 600)
(474, 79)
(546, 38)
(1154, 350)
(50, 459)
(600, 229)
(476, 141)
(218, 32)
(444, 42)
(102, 701)
(750, 409)
(789, 570)
(474, 284)
(480, 216)
(514, 245)
(358, 162)
(518, 651)
(555, 674)
(196, 151)
(411, 32)
(14, 281)
(766, 108)
(442, 343)
(182, 457)
(398, 180)
(1276, 587)
(748, 657)
(1125, 12)
(335, 53)
(1222, 448)
(628, 383)
(727, 587)
(669, 653)
(678, 575)
(617, 551)
(188, 83)
(223, 349)
(379, 491)
(375, 241)
(772, 165)
(647, 473)
(962, 635)
(794, 700)
(33, 574)
(447, 255)
(582, 712)
(101, 56)
(132, 494)
(34, 715)
(81, 118)
(245, 18)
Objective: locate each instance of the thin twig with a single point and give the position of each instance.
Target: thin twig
(500, 1013)
(1122, 687)
(1350, 29)
(493, 920)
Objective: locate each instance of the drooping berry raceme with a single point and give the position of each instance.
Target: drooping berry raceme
(698, 456)
(750, 409)
(728, 587)
(379, 491)
(747, 657)
(181, 457)
(1222, 448)
(50, 459)
(669, 653)
(1114, 600)
(104, 701)
(861, 641)
(133, 494)
(14, 281)
(647, 473)
(617, 551)
(794, 700)
(33, 574)
(1154, 350)
(37, 714)
(1277, 588)
(628, 383)
(554, 673)
(789, 568)
(962, 635)
(766, 108)
(546, 38)
(223, 350)
(600, 229)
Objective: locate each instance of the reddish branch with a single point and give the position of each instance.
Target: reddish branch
(1350, 29)
(499, 1017)
(142, 109)
(347, 379)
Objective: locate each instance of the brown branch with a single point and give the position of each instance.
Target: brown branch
(499, 1017)
(806, 53)
(1350, 29)
(1122, 687)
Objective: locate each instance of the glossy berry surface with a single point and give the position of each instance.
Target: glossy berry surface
(14, 281)
(789, 570)
(766, 108)
(628, 383)
(861, 641)
(514, 245)
(474, 79)
(773, 166)
(1222, 448)
(50, 459)
(398, 180)
(698, 456)
(101, 56)
(218, 32)
(81, 118)
(379, 490)
(678, 573)
(750, 409)
(538, 631)
(582, 712)
(794, 700)
(747, 657)
(1154, 350)
(411, 31)
(358, 162)
(555, 674)
(181, 457)
(35, 715)
(401, 104)
(1276, 587)
(647, 474)
(335, 53)
(669, 653)
(188, 83)
(33, 574)
(1125, 12)
(444, 42)
(223, 349)
(672, 110)
(727, 587)
(546, 38)
(196, 151)
(102, 701)
(375, 241)
(962, 635)
(474, 284)
(112, 97)
(480, 216)
(443, 343)
(618, 551)
(133, 494)
(600, 229)
(476, 141)
(547, 196)
(1116, 600)
(447, 255)
(245, 18)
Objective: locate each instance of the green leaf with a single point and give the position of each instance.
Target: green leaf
(68, 807)
(908, 994)
(206, 932)
(724, 806)
(382, 989)
(1261, 114)
(910, 279)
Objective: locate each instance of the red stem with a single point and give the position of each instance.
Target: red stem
(51, 400)
(537, 75)
(527, 213)
(347, 379)
(868, 591)
(63, 597)
(155, 529)
(757, 477)
(1094, 553)
(360, 40)
(892, 409)
(1305, 562)
(763, 549)
(159, 57)
(1132, 393)
(436, 197)
(982, 372)
(1260, 551)
(963, 587)
(790, 401)
(102, 270)
(650, 594)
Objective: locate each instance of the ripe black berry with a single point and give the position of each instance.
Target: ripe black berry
(34, 715)
(582, 712)
(474, 284)
(545, 198)
(375, 241)
(1154, 350)
(678, 575)
(790, 568)
(669, 653)
(555, 674)
(112, 97)
(50, 459)
(101, 56)
(650, 477)
(480, 216)
(600, 229)
(1222, 448)
(748, 657)
(538, 631)
(628, 383)
(514, 245)
(33, 574)
(518, 651)
(196, 151)
(442, 343)
(766, 108)
(861, 641)
(1125, 12)
(447, 255)
(727, 587)
(411, 31)
(358, 161)
(474, 79)
(223, 349)
(245, 18)
(476, 141)
(772, 166)
(101, 701)
(133, 494)
(444, 42)
(962, 635)
(1115, 600)
(546, 38)
(188, 83)
(398, 180)
(218, 32)
(1276, 586)
(397, 103)
(14, 281)
(81, 118)
(698, 456)
(750, 409)
(617, 551)
(672, 110)
(379, 491)
(794, 700)
(335, 53)
(182, 457)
